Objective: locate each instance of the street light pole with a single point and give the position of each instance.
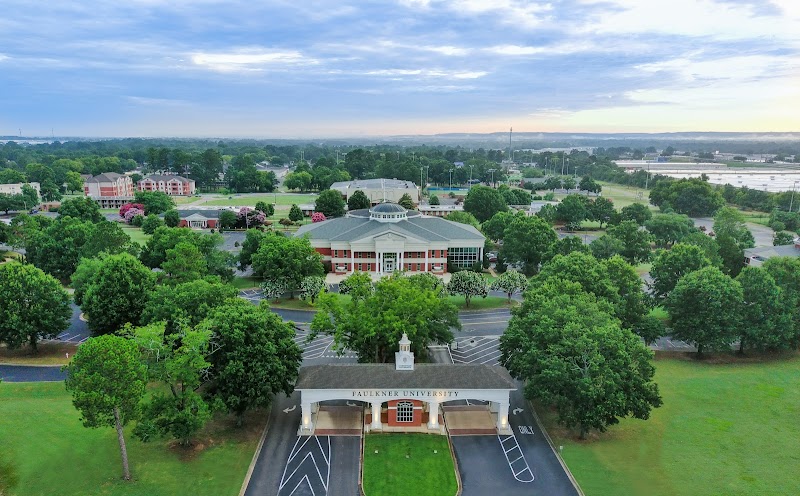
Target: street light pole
(791, 202)
(451, 178)
(492, 171)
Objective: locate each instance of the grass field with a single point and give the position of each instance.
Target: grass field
(50, 353)
(54, 454)
(251, 200)
(724, 429)
(136, 234)
(406, 464)
(475, 304)
(623, 196)
(246, 282)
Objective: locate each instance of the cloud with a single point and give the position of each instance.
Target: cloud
(249, 59)
(426, 73)
(158, 102)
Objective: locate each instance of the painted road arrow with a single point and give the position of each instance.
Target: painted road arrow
(287, 410)
(515, 411)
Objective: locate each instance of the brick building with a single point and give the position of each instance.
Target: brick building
(387, 237)
(171, 185)
(110, 190)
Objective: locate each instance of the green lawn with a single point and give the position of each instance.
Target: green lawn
(251, 200)
(422, 473)
(478, 303)
(724, 429)
(136, 234)
(54, 454)
(625, 195)
(246, 282)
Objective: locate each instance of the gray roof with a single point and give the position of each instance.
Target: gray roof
(422, 227)
(384, 376)
(373, 184)
(106, 177)
(209, 214)
(388, 208)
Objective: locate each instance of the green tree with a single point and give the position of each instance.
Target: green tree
(227, 219)
(637, 212)
(178, 363)
(184, 263)
(583, 269)
(207, 169)
(636, 241)
(117, 293)
(83, 275)
(256, 357)
(155, 202)
(151, 223)
(572, 210)
(782, 239)
(526, 241)
(468, 284)
(705, 309)
(373, 321)
(107, 380)
(668, 229)
(108, 237)
(589, 184)
(606, 246)
(510, 282)
(83, 208)
(74, 181)
(483, 202)
(669, 266)
(299, 181)
(330, 203)
(767, 313)
(288, 260)
(406, 202)
(57, 248)
(434, 200)
(185, 304)
(464, 218)
(495, 227)
(220, 263)
(693, 197)
(602, 210)
(295, 214)
(358, 201)
(172, 218)
(632, 303)
(733, 238)
(266, 208)
(252, 240)
(650, 328)
(707, 244)
(572, 355)
(35, 306)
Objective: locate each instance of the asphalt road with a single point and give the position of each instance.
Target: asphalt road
(30, 373)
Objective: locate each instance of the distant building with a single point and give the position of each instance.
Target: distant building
(387, 238)
(16, 188)
(171, 185)
(110, 190)
(755, 257)
(379, 190)
(439, 210)
(199, 219)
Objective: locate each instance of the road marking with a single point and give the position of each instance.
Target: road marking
(318, 454)
(522, 472)
(517, 410)
(525, 429)
(287, 410)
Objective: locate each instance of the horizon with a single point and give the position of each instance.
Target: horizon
(333, 70)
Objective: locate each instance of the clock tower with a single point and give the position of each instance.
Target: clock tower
(404, 359)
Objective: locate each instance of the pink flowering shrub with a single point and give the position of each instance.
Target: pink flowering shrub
(317, 217)
(124, 209)
(247, 217)
(131, 213)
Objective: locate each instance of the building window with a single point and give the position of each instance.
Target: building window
(462, 257)
(405, 411)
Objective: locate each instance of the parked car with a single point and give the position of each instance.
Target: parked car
(492, 257)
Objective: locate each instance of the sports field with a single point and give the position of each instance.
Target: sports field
(725, 429)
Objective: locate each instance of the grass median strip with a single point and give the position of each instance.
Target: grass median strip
(403, 464)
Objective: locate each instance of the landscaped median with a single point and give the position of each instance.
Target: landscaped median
(44, 444)
(404, 464)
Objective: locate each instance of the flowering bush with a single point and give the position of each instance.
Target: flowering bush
(317, 217)
(124, 209)
(247, 217)
(131, 213)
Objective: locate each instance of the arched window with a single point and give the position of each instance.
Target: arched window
(405, 411)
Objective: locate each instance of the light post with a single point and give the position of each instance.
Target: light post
(451, 178)
(492, 171)
(471, 168)
(791, 202)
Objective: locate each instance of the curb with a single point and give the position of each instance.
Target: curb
(555, 452)
(252, 466)
(459, 486)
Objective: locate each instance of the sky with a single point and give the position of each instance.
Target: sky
(325, 69)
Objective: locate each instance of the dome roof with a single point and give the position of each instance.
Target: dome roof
(388, 208)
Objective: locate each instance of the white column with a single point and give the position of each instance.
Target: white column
(376, 416)
(433, 415)
(352, 261)
(502, 416)
(426, 258)
(305, 421)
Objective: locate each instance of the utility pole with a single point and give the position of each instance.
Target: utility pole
(471, 168)
(510, 148)
(492, 171)
(791, 202)
(451, 178)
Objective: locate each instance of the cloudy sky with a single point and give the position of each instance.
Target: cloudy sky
(319, 68)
